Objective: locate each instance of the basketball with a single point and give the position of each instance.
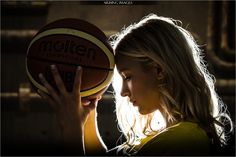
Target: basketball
(69, 43)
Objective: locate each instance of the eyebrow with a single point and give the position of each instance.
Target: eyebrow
(123, 69)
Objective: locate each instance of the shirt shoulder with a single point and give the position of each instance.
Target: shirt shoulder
(184, 138)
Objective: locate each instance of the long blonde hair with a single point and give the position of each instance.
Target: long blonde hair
(188, 91)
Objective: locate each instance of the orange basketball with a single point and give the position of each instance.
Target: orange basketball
(69, 43)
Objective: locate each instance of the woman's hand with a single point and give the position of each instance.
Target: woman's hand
(70, 110)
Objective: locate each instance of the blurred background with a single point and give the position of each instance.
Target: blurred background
(28, 124)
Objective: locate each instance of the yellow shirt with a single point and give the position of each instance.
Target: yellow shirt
(184, 138)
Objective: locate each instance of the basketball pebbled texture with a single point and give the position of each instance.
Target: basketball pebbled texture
(69, 43)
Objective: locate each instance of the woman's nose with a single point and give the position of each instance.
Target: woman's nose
(124, 91)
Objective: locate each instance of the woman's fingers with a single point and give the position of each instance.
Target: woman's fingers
(92, 105)
(47, 98)
(49, 88)
(77, 82)
(57, 78)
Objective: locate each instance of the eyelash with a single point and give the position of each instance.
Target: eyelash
(127, 78)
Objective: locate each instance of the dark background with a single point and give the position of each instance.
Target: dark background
(28, 125)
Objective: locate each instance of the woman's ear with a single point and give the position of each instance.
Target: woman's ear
(159, 72)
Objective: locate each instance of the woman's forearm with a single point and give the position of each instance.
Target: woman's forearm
(73, 140)
(92, 141)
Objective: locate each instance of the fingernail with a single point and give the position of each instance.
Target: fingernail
(53, 67)
(87, 103)
(79, 67)
(40, 75)
(99, 98)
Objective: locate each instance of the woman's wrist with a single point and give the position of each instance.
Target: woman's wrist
(73, 140)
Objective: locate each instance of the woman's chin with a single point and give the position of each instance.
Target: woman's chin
(142, 112)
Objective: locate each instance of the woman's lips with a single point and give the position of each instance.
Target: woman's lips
(134, 103)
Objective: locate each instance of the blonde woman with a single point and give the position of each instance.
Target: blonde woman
(165, 98)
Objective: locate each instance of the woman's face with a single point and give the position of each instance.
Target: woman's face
(139, 85)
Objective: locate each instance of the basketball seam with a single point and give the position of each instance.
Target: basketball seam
(96, 85)
(70, 35)
(84, 30)
(73, 64)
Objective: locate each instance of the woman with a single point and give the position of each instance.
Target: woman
(166, 103)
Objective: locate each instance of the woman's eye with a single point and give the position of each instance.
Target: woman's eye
(127, 78)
